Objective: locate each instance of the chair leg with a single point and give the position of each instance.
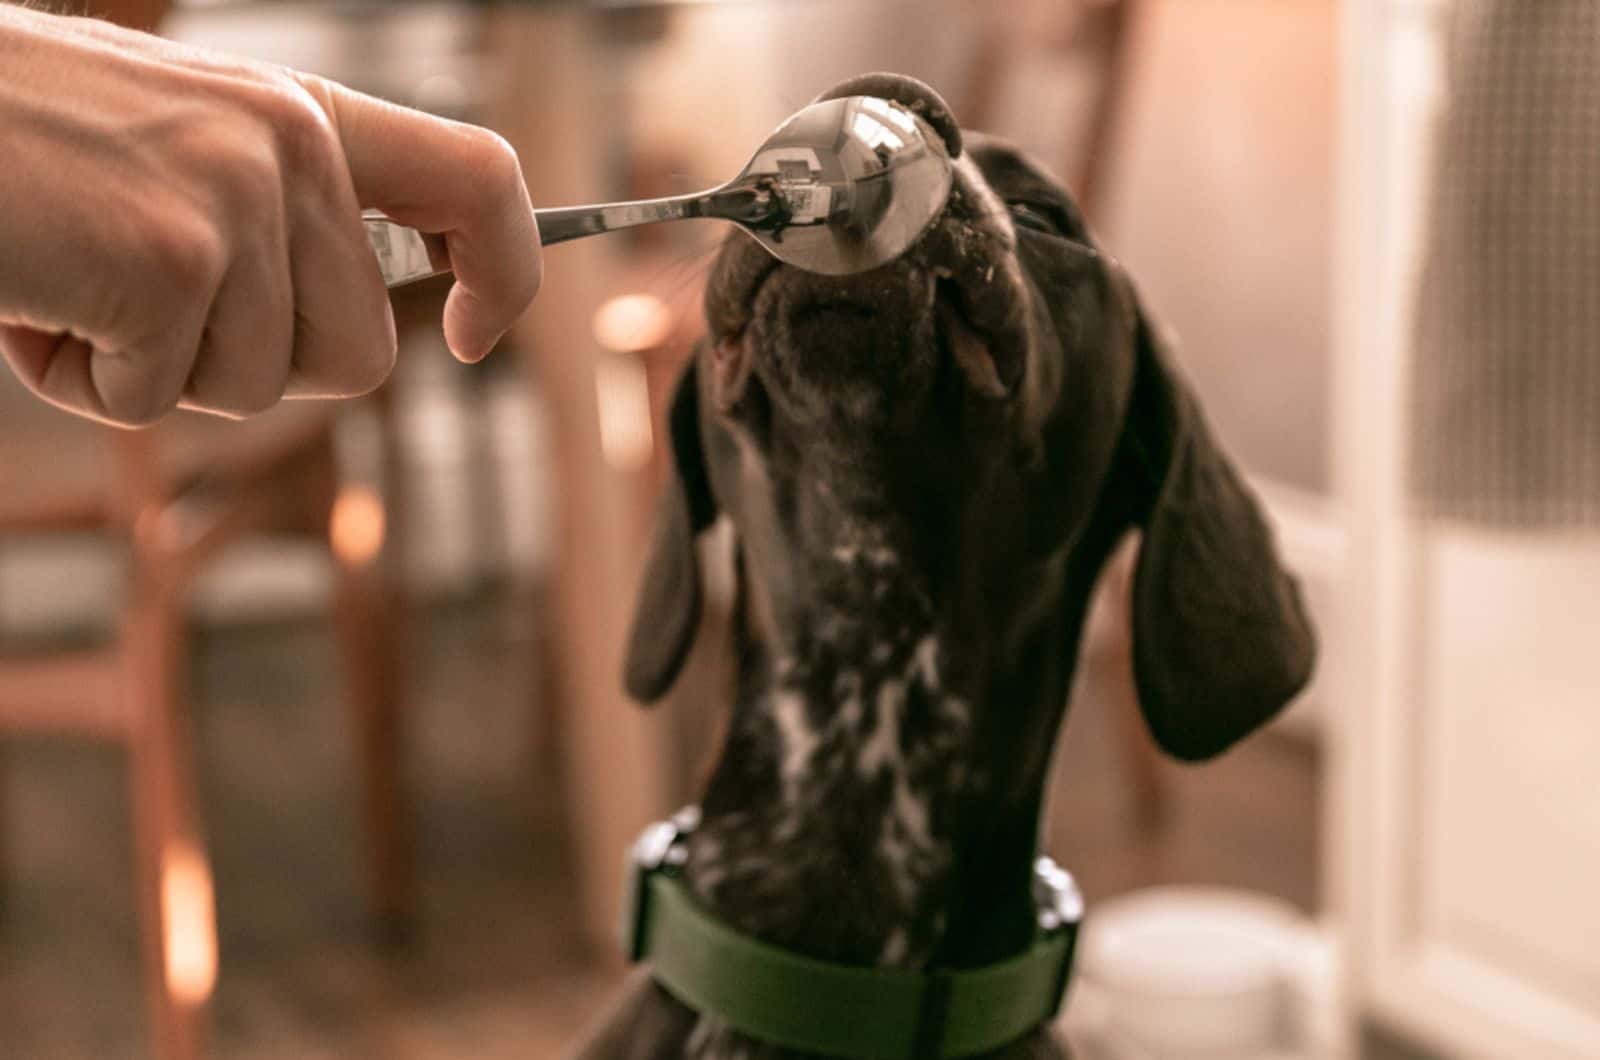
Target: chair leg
(366, 618)
(176, 909)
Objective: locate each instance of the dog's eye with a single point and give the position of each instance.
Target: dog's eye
(1034, 217)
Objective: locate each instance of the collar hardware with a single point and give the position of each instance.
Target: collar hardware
(846, 1011)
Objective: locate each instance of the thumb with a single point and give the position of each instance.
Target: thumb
(453, 179)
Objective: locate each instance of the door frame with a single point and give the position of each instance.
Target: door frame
(1396, 973)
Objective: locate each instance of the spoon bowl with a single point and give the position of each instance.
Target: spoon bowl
(841, 187)
(859, 180)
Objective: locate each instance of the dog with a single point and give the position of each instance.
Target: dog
(926, 467)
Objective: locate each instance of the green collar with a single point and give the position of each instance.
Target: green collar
(840, 1010)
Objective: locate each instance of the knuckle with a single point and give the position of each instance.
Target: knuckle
(189, 255)
(306, 140)
(248, 174)
(492, 159)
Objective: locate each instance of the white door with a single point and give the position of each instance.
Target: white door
(1468, 787)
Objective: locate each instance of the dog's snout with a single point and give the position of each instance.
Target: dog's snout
(920, 98)
(826, 336)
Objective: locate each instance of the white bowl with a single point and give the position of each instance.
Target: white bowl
(1193, 972)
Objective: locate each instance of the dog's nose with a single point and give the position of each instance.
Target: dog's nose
(916, 95)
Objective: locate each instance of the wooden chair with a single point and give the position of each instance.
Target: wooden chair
(175, 497)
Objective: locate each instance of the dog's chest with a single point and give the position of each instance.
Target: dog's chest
(828, 826)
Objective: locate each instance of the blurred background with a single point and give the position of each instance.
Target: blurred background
(312, 742)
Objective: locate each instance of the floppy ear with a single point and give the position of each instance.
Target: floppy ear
(668, 609)
(1221, 639)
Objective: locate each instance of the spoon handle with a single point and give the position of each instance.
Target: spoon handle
(562, 223)
(405, 254)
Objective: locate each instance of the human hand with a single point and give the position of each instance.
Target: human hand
(180, 228)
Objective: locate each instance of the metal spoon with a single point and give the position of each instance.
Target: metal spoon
(843, 186)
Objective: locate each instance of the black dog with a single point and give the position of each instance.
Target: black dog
(926, 467)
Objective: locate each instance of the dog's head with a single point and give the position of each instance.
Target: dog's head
(987, 414)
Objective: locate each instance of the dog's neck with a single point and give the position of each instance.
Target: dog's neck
(830, 823)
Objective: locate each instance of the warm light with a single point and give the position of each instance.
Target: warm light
(356, 526)
(189, 918)
(632, 323)
(623, 395)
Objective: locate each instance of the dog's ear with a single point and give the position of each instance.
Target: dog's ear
(668, 609)
(1221, 638)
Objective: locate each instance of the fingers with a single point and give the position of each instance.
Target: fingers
(242, 365)
(133, 373)
(122, 388)
(344, 337)
(53, 365)
(445, 177)
(327, 331)
(302, 311)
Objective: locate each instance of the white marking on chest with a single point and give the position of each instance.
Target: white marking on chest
(796, 736)
(878, 557)
(925, 663)
(905, 841)
(881, 748)
(872, 720)
(895, 947)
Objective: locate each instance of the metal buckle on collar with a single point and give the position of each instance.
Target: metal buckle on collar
(662, 846)
(1056, 895)
(1060, 907)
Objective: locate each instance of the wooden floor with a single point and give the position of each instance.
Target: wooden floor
(496, 971)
